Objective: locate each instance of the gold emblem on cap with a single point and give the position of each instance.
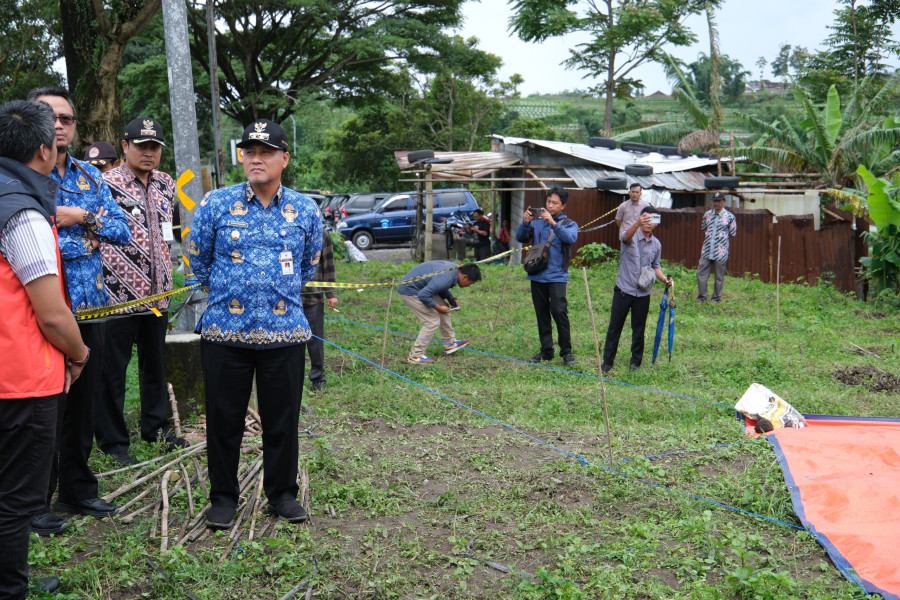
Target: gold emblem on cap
(236, 256)
(235, 307)
(238, 208)
(279, 308)
(289, 213)
(148, 124)
(259, 126)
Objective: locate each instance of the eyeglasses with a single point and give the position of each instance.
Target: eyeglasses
(66, 120)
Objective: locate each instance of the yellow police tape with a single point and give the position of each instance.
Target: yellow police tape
(598, 218)
(95, 313)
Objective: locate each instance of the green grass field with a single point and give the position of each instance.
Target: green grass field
(413, 495)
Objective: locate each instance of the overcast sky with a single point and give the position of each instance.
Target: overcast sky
(748, 29)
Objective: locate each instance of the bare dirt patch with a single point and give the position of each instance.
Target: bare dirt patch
(871, 378)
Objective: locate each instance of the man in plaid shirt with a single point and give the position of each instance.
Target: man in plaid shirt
(313, 307)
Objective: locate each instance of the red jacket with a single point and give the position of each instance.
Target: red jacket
(30, 366)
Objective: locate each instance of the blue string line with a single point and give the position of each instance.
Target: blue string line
(510, 427)
(578, 458)
(552, 368)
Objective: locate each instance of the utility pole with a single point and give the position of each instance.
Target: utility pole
(184, 134)
(214, 91)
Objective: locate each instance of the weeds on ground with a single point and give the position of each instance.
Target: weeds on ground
(416, 496)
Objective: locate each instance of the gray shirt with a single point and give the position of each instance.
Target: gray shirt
(630, 261)
(436, 285)
(629, 213)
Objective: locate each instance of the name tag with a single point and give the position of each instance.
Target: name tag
(167, 234)
(287, 263)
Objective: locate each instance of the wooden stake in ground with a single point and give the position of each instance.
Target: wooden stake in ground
(778, 284)
(164, 517)
(387, 318)
(502, 293)
(587, 291)
(176, 422)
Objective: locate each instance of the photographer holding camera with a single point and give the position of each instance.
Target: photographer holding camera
(640, 256)
(548, 287)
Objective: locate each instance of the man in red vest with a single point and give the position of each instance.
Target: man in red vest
(41, 351)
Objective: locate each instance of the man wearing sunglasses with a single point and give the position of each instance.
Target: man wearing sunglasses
(86, 217)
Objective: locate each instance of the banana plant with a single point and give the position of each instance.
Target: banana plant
(832, 140)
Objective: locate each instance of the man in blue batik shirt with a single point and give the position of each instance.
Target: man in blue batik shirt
(86, 216)
(255, 245)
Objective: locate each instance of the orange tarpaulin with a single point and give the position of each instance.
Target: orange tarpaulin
(843, 474)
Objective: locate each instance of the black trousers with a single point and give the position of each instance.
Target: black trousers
(149, 333)
(483, 251)
(550, 301)
(69, 468)
(27, 438)
(315, 314)
(621, 304)
(228, 376)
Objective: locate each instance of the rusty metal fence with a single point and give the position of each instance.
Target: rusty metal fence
(806, 254)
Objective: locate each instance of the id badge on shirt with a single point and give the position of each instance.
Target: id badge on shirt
(287, 263)
(167, 234)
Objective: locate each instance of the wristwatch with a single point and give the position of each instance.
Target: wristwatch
(90, 221)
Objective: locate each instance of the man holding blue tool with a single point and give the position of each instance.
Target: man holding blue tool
(255, 245)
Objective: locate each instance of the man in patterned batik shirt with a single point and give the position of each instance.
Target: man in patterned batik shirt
(140, 269)
(718, 225)
(86, 217)
(255, 245)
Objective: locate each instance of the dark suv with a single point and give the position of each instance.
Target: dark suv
(357, 204)
(394, 220)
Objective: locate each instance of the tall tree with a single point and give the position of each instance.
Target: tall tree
(732, 74)
(28, 47)
(94, 37)
(859, 45)
(272, 53)
(781, 64)
(761, 63)
(626, 34)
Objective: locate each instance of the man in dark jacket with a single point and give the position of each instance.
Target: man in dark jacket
(314, 301)
(548, 288)
(41, 351)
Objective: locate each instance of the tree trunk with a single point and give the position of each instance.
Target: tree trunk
(610, 92)
(94, 46)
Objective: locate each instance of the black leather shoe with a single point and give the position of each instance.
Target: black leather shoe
(605, 368)
(569, 359)
(318, 386)
(220, 517)
(635, 367)
(173, 442)
(46, 523)
(537, 358)
(47, 585)
(288, 510)
(123, 458)
(92, 507)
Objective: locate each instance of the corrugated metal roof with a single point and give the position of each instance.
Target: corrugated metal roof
(465, 165)
(681, 181)
(615, 158)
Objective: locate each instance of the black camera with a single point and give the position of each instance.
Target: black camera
(536, 211)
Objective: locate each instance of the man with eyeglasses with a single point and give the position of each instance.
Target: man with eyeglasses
(87, 216)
